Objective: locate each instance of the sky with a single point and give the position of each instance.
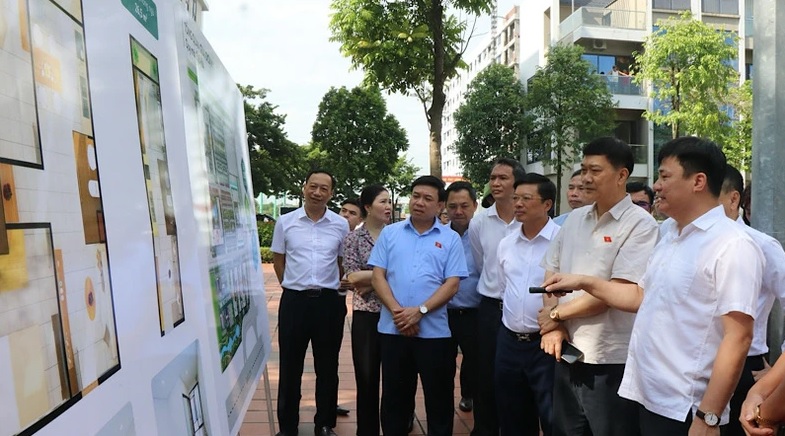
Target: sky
(284, 46)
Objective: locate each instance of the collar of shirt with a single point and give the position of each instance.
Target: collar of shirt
(326, 216)
(548, 232)
(436, 226)
(615, 212)
(703, 222)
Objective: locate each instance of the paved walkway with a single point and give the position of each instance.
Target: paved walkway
(256, 419)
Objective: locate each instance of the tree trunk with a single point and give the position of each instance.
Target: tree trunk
(437, 105)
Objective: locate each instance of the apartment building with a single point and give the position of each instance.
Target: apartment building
(502, 46)
(610, 31)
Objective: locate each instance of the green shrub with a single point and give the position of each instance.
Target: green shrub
(265, 233)
(267, 254)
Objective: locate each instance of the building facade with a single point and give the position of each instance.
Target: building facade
(196, 8)
(609, 31)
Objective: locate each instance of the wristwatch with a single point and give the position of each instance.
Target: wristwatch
(711, 419)
(554, 314)
(761, 420)
(423, 309)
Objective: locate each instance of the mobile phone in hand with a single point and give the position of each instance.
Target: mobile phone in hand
(570, 353)
(541, 290)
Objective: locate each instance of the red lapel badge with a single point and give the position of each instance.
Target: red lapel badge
(438, 244)
(607, 239)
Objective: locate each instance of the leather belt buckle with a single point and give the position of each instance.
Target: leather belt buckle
(313, 293)
(525, 337)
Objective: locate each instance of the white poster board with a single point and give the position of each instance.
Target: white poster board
(131, 291)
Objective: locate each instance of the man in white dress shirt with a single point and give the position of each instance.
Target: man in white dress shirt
(610, 239)
(772, 287)
(307, 249)
(486, 230)
(524, 372)
(695, 319)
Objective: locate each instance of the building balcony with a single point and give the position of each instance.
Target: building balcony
(604, 24)
(626, 93)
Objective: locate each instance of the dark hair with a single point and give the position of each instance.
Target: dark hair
(462, 186)
(368, 196)
(354, 200)
(487, 201)
(618, 153)
(733, 180)
(746, 202)
(637, 187)
(697, 155)
(576, 173)
(545, 188)
(433, 182)
(517, 169)
(320, 171)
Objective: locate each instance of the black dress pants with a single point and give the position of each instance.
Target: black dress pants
(304, 317)
(366, 355)
(489, 319)
(733, 428)
(403, 358)
(463, 326)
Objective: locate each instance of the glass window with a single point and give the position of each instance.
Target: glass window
(730, 7)
(672, 4)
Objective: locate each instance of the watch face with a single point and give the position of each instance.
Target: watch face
(711, 419)
(423, 310)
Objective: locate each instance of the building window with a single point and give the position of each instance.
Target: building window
(730, 7)
(676, 5)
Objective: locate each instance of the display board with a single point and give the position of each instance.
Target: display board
(131, 291)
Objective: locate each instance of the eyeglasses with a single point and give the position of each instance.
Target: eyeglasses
(644, 204)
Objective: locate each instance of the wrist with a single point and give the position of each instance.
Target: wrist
(761, 420)
(554, 314)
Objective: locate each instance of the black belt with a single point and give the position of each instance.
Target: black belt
(494, 301)
(461, 310)
(312, 293)
(524, 337)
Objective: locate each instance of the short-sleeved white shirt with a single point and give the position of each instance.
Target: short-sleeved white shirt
(616, 245)
(519, 268)
(694, 278)
(312, 249)
(485, 232)
(772, 285)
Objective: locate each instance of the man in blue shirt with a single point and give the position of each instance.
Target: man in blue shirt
(462, 309)
(418, 264)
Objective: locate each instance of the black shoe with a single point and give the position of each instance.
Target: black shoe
(411, 424)
(324, 431)
(466, 404)
(341, 411)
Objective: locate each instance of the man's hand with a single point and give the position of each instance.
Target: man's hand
(547, 325)
(345, 285)
(551, 342)
(758, 374)
(406, 317)
(747, 417)
(563, 282)
(699, 428)
(412, 331)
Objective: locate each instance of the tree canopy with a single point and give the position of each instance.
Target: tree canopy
(491, 123)
(407, 46)
(357, 140)
(738, 144)
(690, 67)
(569, 105)
(275, 160)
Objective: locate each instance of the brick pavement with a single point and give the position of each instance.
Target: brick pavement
(256, 421)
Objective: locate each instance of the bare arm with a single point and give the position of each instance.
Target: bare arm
(759, 392)
(409, 317)
(728, 365)
(361, 278)
(279, 265)
(616, 293)
(383, 290)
